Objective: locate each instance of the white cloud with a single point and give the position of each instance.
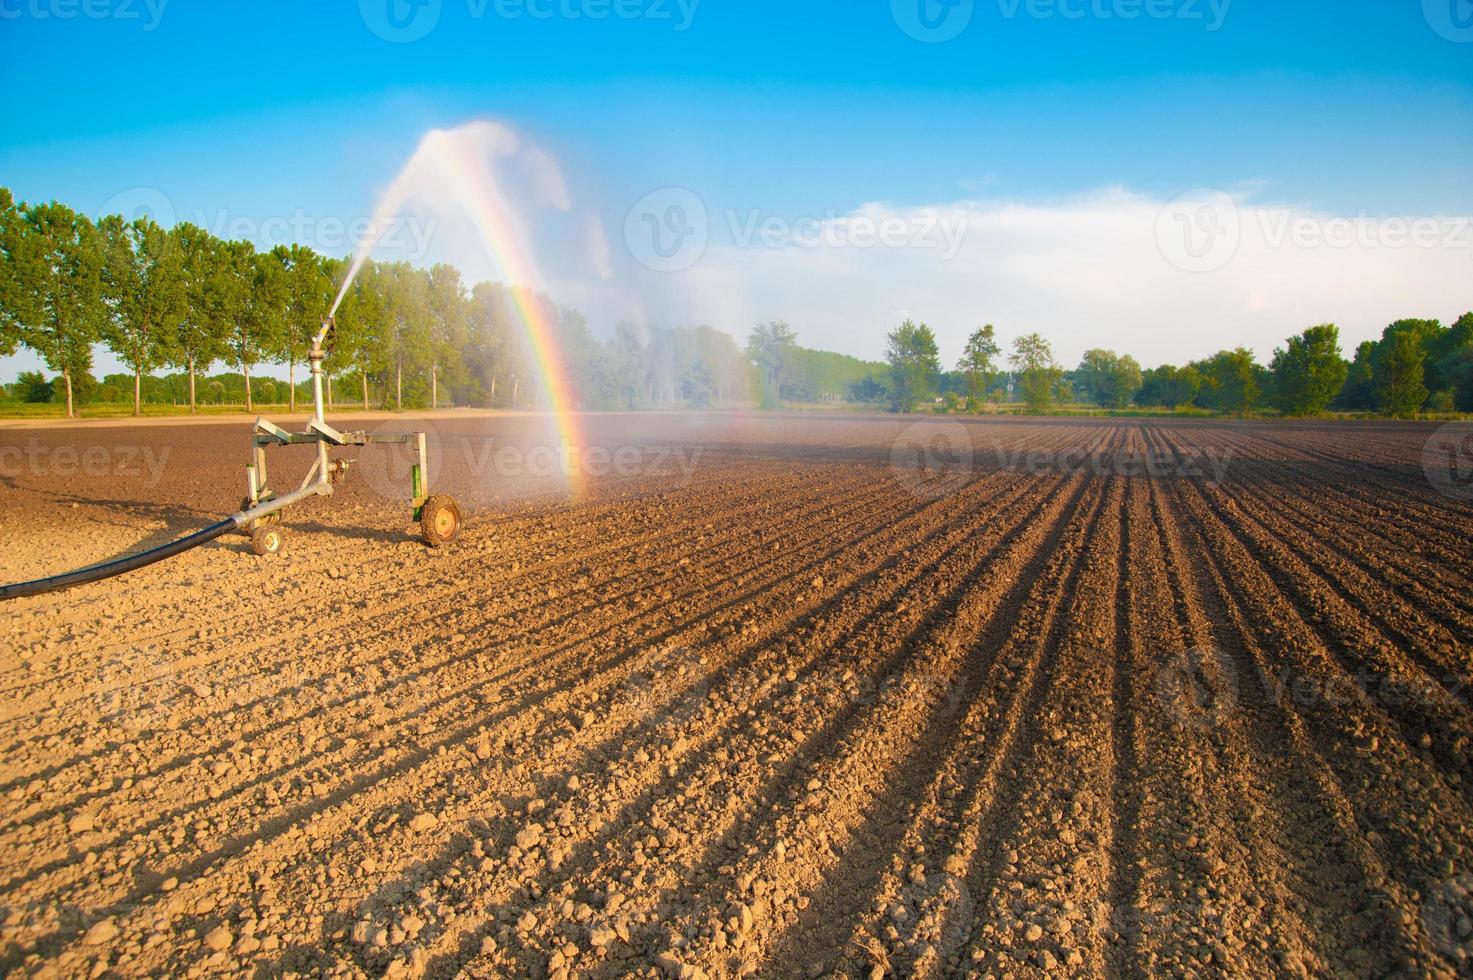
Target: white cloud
(1113, 268)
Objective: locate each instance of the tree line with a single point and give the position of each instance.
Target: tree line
(1416, 366)
(183, 299)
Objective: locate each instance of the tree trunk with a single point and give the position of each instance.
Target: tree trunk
(245, 370)
(434, 387)
(291, 374)
(364, 376)
(137, 391)
(192, 406)
(66, 376)
(492, 401)
(328, 379)
(515, 384)
(398, 387)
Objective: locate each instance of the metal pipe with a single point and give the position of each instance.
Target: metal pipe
(315, 357)
(120, 565)
(322, 487)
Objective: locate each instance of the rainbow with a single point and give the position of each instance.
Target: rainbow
(472, 185)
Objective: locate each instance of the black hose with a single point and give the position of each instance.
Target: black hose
(118, 566)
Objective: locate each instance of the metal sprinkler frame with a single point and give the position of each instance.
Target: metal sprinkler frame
(259, 515)
(437, 514)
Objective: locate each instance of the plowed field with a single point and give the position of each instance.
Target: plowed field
(774, 696)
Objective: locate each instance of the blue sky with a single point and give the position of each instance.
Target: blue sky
(268, 108)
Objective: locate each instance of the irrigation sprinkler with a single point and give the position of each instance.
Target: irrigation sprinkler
(260, 512)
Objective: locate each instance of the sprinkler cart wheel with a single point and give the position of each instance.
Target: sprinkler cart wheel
(439, 520)
(268, 540)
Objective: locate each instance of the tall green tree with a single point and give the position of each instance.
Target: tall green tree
(308, 292)
(1399, 368)
(15, 244)
(1169, 386)
(1231, 381)
(1108, 379)
(58, 290)
(143, 281)
(360, 324)
(1358, 394)
(253, 296)
(1450, 363)
(914, 361)
(771, 347)
(1038, 373)
(211, 298)
(979, 360)
(1309, 371)
(406, 333)
(491, 353)
(448, 324)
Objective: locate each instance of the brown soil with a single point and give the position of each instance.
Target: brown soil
(767, 698)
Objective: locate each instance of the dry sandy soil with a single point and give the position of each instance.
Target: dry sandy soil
(770, 697)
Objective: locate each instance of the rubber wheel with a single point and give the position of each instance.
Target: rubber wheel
(268, 540)
(439, 521)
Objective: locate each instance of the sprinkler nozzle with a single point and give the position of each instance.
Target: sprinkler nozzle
(322, 344)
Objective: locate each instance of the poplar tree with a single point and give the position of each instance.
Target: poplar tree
(58, 285)
(308, 294)
(144, 291)
(199, 332)
(979, 360)
(253, 294)
(14, 242)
